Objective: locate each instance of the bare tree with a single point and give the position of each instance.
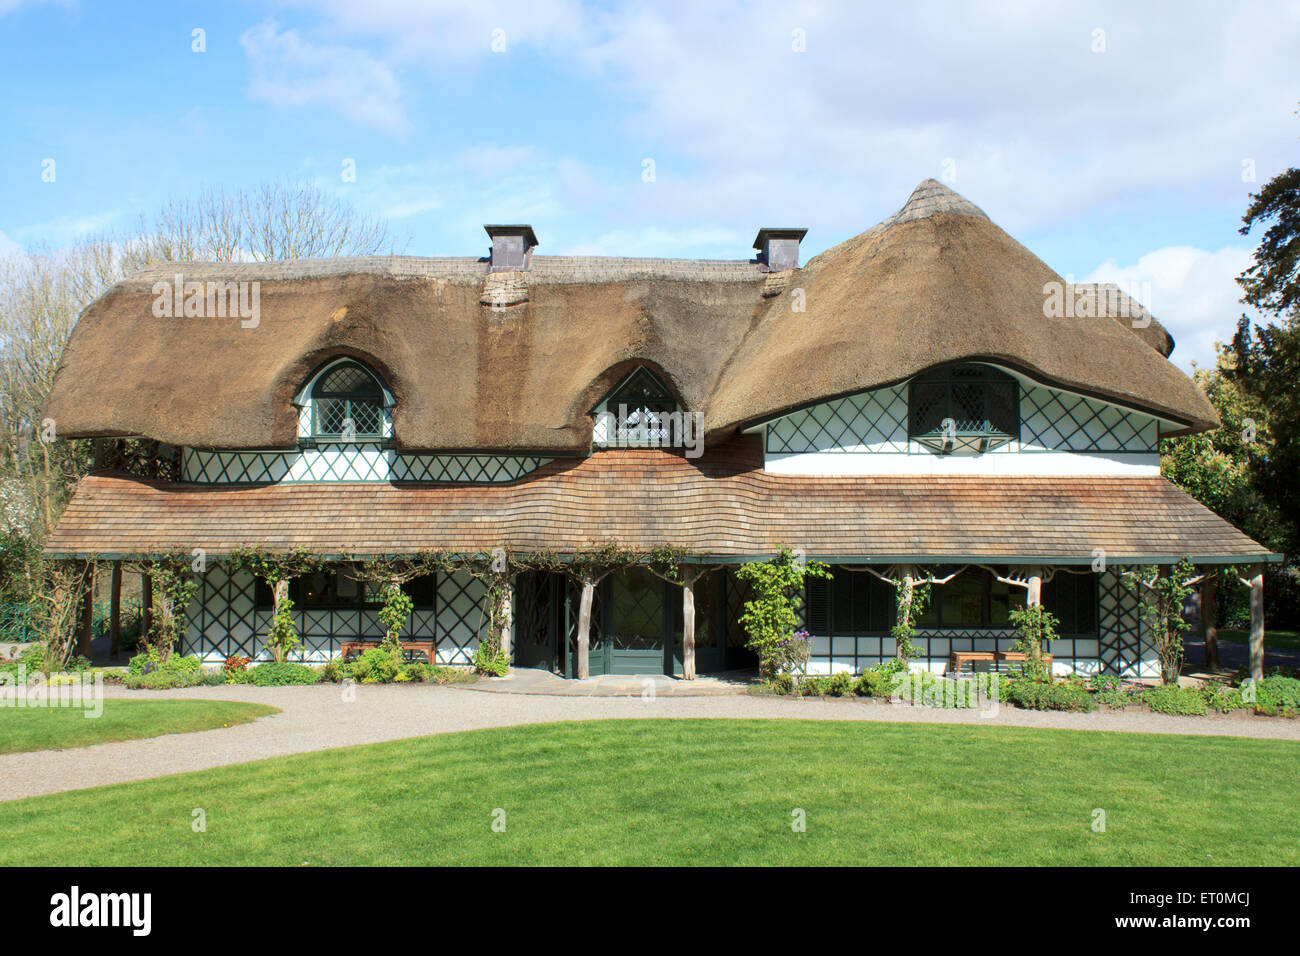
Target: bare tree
(44, 290)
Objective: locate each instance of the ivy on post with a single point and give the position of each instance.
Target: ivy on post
(173, 587)
(276, 570)
(1162, 591)
(771, 617)
(911, 596)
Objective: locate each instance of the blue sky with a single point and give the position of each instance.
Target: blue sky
(1111, 139)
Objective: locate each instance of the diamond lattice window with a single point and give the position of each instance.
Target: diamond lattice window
(970, 408)
(347, 405)
(641, 412)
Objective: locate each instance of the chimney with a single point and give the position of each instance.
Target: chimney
(778, 249)
(512, 247)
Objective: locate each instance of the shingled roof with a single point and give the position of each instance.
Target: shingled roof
(723, 505)
(515, 361)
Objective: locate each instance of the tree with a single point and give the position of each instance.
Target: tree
(1219, 468)
(1265, 357)
(44, 290)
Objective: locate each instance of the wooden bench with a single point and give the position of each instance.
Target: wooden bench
(416, 647)
(959, 661)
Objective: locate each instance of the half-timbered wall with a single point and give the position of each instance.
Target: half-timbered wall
(1120, 645)
(225, 620)
(360, 462)
(1060, 433)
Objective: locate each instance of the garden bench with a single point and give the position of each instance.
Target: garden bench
(959, 661)
(417, 647)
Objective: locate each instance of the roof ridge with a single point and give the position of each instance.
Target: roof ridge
(931, 197)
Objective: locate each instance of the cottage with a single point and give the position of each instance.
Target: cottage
(907, 403)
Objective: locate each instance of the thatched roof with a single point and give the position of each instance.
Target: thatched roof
(724, 505)
(515, 361)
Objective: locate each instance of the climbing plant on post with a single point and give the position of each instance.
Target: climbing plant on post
(771, 617)
(61, 590)
(911, 597)
(1162, 592)
(276, 570)
(175, 584)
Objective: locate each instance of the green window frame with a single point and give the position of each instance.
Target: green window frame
(634, 410)
(982, 402)
(347, 392)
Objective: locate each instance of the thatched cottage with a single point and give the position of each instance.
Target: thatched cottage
(927, 399)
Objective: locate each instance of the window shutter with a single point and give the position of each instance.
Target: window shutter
(817, 606)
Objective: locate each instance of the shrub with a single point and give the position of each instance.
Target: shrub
(1101, 683)
(770, 617)
(489, 658)
(1046, 695)
(1222, 698)
(1172, 699)
(812, 687)
(1276, 694)
(1116, 699)
(375, 665)
(880, 680)
(839, 685)
(272, 674)
(781, 683)
(149, 672)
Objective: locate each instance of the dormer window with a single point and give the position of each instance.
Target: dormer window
(640, 412)
(347, 404)
(964, 408)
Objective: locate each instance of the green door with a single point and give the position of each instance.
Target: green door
(634, 624)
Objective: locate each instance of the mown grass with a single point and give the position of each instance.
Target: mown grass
(1278, 638)
(699, 792)
(60, 728)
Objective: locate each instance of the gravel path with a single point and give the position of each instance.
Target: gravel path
(319, 718)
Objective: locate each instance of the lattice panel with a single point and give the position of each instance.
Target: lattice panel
(870, 421)
(224, 620)
(362, 462)
(1124, 648)
(462, 617)
(1053, 420)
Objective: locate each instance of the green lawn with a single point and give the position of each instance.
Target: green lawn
(1280, 638)
(50, 728)
(699, 791)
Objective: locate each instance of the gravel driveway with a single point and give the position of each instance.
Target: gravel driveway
(319, 717)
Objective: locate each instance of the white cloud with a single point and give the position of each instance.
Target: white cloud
(289, 70)
(1040, 127)
(7, 246)
(1191, 291)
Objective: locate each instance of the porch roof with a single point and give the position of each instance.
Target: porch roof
(722, 506)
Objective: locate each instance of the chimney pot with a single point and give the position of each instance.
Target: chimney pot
(778, 248)
(512, 247)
